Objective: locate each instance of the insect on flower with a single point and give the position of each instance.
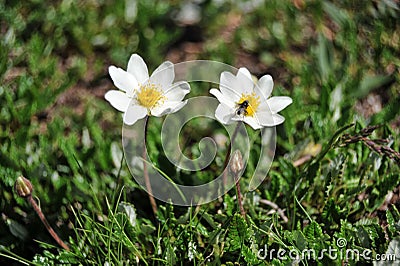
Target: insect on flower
(242, 108)
(241, 99)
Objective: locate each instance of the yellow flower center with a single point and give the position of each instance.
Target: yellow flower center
(253, 102)
(150, 95)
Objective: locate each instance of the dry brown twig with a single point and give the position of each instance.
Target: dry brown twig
(276, 208)
(379, 146)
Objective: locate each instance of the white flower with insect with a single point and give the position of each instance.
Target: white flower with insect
(140, 95)
(243, 100)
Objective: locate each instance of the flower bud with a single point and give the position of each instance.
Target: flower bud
(236, 165)
(23, 187)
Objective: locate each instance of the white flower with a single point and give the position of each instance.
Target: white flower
(141, 95)
(242, 100)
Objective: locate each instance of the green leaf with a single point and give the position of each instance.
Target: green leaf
(230, 204)
(250, 257)
(324, 58)
(370, 83)
(299, 239)
(338, 15)
(331, 212)
(147, 229)
(363, 238)
(17, 229)
(236, 233)
(313, 231)
(393, 220)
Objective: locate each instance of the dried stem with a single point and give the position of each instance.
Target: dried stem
(276, 208)
(46, 224)
(145, 171)
(377, 145)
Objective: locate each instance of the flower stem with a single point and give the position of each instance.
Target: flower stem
(228, 155)
(236, 166)
(23, 187)
(46, 224)
(239, 197)
(145, 171)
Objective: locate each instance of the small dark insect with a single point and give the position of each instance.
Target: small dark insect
(242, 108)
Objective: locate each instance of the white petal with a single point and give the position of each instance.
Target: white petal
(269, 120)
(263, 99)
(266, 84)
(264, 106)
(227, 79)
(179, 106)
(138, 68)
(222, 98)
(164, 75)
(278, 119)
(229, 86)
(244, 73)
(224, 114)
(265, 118)
(177, 91)
(134, 113)
(278, 103)
(123, 80)
(118, 99)
(233, 95)
(183, 85)
(175, 95)
(253, 122)
(244, 80)
(168, 108)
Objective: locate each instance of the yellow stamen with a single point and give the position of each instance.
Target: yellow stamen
(254, 102)
(150, 95)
